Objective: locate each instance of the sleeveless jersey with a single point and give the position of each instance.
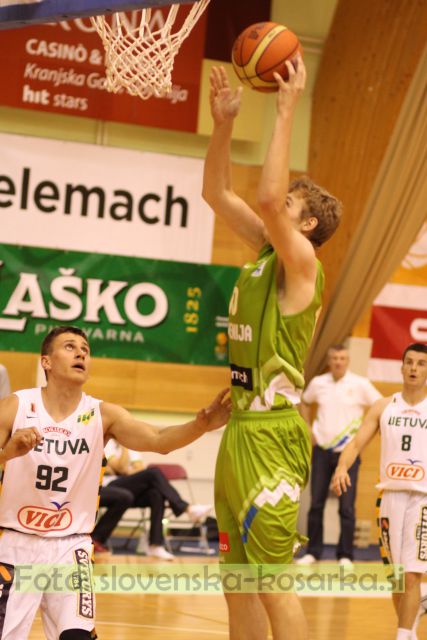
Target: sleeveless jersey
(403, 446)
(53, 490)
(266, 349)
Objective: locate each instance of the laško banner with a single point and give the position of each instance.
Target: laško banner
(131, 308)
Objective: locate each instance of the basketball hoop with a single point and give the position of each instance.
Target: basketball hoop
(140, 59)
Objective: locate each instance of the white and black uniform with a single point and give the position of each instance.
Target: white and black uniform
(403, 481)
(48, 505)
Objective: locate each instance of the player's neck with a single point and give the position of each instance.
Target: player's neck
(414, 396)
(338, 376)
(59, 401)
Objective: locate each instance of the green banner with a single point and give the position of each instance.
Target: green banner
(131, 308)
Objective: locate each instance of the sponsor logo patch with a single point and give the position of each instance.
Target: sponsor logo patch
(85, 418)
(43, 519)
(55, 429)
(83, 577)
(421, 535)
(224, 542)
(385, 535)
(405, 471)
(7, 572)
(241, 377)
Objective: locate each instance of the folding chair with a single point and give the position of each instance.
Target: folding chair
(177, 530)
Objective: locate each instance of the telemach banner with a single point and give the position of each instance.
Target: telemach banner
(131, 308)
(84, 197)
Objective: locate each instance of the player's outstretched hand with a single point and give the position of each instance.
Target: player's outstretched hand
(341, 480)
(21, 442)
(217, 414)
(291, 89)
(224, 101)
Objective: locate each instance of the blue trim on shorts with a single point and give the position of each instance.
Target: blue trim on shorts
(248, 521)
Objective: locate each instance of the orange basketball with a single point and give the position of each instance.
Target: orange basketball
(262, 49)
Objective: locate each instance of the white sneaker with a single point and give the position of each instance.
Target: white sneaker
(306, 560)
(345, 562)
(157, 551)
(199, 512)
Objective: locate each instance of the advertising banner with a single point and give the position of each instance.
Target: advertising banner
(59, 68)
(66, 195)
(399, 314)
(131, 308)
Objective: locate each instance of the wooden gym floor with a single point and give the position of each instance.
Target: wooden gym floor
(204, 617)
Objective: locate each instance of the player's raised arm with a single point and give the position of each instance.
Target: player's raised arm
(366, 432)
(217, 186)
(141, 436)
(278, 208)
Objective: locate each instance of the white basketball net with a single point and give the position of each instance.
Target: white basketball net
(138, 58)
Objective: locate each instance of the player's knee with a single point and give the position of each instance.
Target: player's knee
(78, 634)
(412, 580)
(127, 498)
(154, 473)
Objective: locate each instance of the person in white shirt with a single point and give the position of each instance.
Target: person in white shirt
(4, 382)
(402, 422)
(341, 397)
(128, 484)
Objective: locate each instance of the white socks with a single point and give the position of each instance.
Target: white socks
(404, 634)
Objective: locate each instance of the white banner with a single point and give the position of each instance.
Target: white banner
(7, 3)
(83, 197)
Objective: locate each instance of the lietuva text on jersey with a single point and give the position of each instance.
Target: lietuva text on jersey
(403, 465)
(62, 447)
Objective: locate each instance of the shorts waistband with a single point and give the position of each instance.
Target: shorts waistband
(265, 415)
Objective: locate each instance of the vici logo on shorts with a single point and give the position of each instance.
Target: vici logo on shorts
(402, 471)
(224, 542)
(43, 519)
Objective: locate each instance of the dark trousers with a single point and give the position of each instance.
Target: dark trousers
(323, 466)
(147, 488)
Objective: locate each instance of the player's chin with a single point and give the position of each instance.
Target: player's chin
(79, 375)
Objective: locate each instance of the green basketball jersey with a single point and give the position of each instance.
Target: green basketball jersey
(266, 349)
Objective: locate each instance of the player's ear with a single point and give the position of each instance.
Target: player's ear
(45, 362)
(308, 224)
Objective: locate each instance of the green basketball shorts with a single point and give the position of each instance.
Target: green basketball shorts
(263, 465)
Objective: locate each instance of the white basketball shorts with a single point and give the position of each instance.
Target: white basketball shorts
(25, 584)
(403, 529)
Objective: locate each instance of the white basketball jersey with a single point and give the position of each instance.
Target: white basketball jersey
(53, 490)
(404, 446)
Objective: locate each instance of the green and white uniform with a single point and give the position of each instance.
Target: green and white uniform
(264, 458)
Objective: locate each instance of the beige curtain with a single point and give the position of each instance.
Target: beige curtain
(394, 213)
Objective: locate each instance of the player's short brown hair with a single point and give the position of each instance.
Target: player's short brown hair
(57, 331)
(320, 204)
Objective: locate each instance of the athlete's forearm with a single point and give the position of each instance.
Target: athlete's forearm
(274, 180)
(348, 456)
(217, 172)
